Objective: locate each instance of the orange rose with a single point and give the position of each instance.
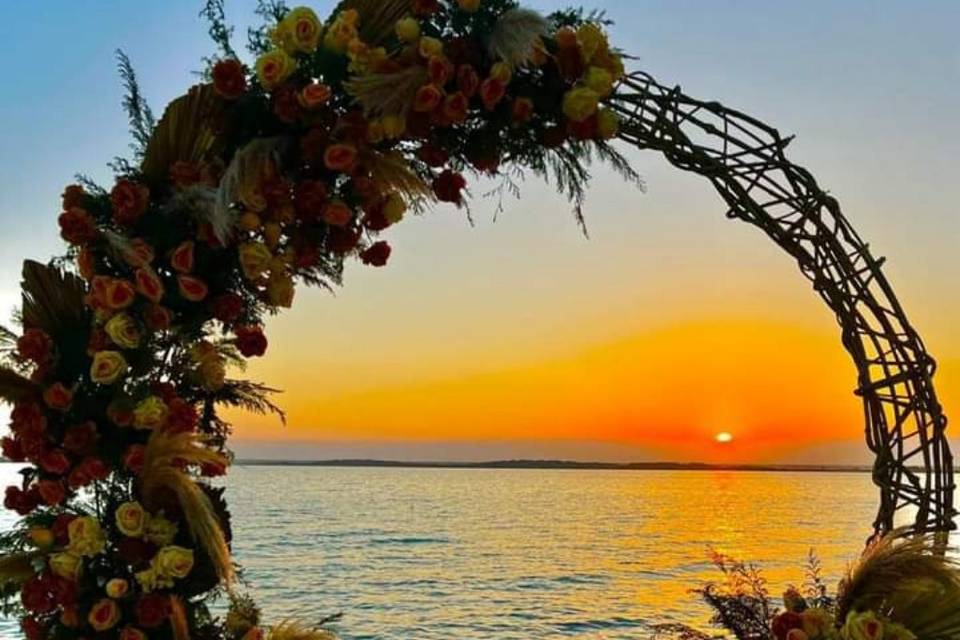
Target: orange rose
(104, 615)
(456, 107)
(427, 99)
(148, 284)
(157, 318)
(193, 289)
(120, 294)
(182, 257)
(440, 70)
(132, 633)
(337, 214)
(492, 92)
(138, 253)
(129, 200)
(314, 95)
(522, 109)
(467, 80)
(340, 157)
(58, 397)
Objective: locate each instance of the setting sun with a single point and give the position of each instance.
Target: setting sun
(724, 437)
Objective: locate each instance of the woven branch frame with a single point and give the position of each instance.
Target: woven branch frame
(744, 160)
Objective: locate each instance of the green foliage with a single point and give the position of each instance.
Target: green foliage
(138, 111)
(270, 13)
(220, 32)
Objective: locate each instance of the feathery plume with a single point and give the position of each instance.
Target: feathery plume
(386, 94)
(515, 35)
(251, 162)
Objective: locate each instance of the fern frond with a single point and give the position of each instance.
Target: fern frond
(249, 396)
(138, 111)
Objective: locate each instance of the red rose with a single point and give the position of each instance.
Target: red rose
(337, 214)
(286, 104)
(35, 345)
(55, 461)
(250, 341)
(166, 390)
(377, 254)
(23, 502)
(72, 196)
(784, 622)
(51, 492)
(522, 109)
(152, 609)
(129, 200)
(133, 458)
(448, 187)
(182, 257)
(456, 107)
(229, 78)
(212, 469)
(80, 438)
(492, 92)
(60, 528)
(227, 307)
(376, 220)
(427, 99)
(95, 468)
(27, 416)
(467, 80)
(310, 198)
(440, 70)
(36, 595)
(586, 130)
(58, 397)
(157, 318)
(433, 155)
(64, 590)
(77, 226)
(33, 629)
(13, 450)
(342, 240)
(182, 417)
(424, 8)
(134, 551)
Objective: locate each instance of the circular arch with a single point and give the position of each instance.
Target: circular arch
(744, 159)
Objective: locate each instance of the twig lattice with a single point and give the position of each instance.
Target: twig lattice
(744, 160)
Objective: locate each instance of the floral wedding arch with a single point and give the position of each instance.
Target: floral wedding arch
(257, 180)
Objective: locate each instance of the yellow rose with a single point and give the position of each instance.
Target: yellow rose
(149, 580)
(271, 234)
(117, 588)
(254, 259)
(280, 290)
(394, 208)
(104, 615)
(394, 126)
(66, 565)
(501, 71)
(599, 80)
(86, 536)
(341, 32)
(274, 67)
(150, 413)
(470, 6)
(408, 29)
(608, 124)
(173, 562)
(816, 622)
(896, 631)
(123, 330)
(592, 41)
(430, 47)
(299, 31)
(864, 625)
(160, 531)
(581, 103)
(250, 221)
(107, 367)
(41, 537)
(131, 519)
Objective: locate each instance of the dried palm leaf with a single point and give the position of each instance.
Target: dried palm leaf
(911, 579)
(391, 172)
(515, 36)
(179, 625)
(377, 17)
(14, 387)
(185, 132)
(387, 94)
(252, 163)
(163, 458)
(53, 300)
(290, 630)
(17, 568)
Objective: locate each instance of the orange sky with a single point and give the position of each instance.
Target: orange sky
(521, 338)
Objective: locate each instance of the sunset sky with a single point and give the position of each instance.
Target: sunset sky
(518, 337)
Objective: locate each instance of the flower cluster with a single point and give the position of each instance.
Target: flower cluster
(265, 178)
(802, 622)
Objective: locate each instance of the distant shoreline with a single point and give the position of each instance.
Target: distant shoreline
(558, 464)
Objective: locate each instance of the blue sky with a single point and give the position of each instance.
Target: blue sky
(871, 89)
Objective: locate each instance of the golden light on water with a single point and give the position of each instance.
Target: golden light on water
(724, 437)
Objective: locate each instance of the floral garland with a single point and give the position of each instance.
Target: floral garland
(249, 184)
